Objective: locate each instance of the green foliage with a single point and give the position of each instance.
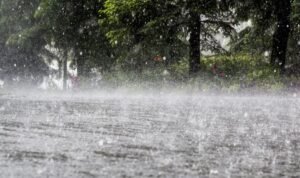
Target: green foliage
(149, 40)
(73, 24)
(227, 73)
(179, 70)
(27, 38)
(260, 37)
(20, 43)
(242, 71)
(154, 25)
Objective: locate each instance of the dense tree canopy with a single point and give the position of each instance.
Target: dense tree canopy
(137, 34)
(171, 24)
(19, 48)
(274, 24)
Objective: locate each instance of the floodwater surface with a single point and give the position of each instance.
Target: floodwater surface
(157, 136)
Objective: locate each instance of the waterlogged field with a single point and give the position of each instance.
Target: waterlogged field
(149, 136)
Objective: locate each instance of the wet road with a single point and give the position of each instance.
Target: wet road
(119, 136)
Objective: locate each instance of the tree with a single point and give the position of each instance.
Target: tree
(294, 41)
(72, 26)
(134, 21)
(20, 59)
(268, 17)
(282, 11)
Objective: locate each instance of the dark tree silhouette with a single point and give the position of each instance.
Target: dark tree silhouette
(281, 34)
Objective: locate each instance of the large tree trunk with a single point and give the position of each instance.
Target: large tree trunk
(281, 35)
(65, 70)
(195, 54)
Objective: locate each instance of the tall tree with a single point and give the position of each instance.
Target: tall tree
(73, 24)
(282, 11)
(271, 27)
(194, 21)
(19, 58)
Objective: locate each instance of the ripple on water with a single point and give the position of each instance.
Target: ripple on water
(157, 137)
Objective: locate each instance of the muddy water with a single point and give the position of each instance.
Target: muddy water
(209, 136)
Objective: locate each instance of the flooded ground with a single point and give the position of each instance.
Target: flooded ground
(157, 136)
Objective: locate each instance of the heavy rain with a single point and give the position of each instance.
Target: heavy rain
(148, 88)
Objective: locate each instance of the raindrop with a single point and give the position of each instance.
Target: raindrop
(101, 142)
(41, 171)
(214, 171)
(166, 72)
(2, 108)
(295, 95)
(109, 141)
(266, 54)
